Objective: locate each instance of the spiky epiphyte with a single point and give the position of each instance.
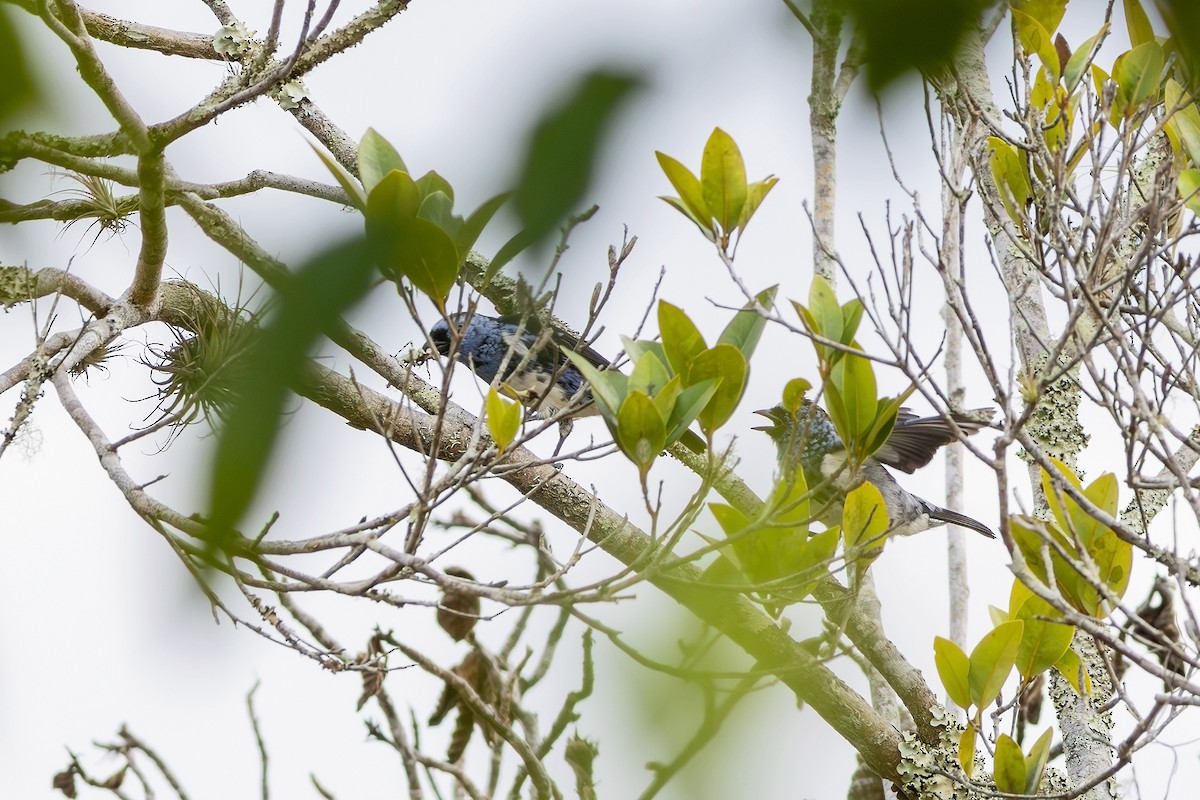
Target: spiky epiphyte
(97, 201)
(198, 375)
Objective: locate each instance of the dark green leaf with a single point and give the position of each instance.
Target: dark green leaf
(922, 35)
(310, 302)
(394, 198)
(563, 148)
(16, 87)
(687, 407)
(424, 254)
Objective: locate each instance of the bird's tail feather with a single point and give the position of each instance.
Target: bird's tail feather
(962, 520)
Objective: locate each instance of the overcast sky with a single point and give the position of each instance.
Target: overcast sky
(101, 624)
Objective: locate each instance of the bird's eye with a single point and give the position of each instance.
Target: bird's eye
(441, 340)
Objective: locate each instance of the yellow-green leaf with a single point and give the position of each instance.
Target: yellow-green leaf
(966, 751)
(1010, 765)
(723, 179)
(864, 517)
(358, 198)
(1189, 189)
(1070, 666)
(1042, 643)
(1011, 177)
(1138, 74)
(1184, 119)
(503, 419)
(1035, 38)
(691, 196)
(953, 668)
(641, 430)
(1138, 24)
(992, 661)
(681, 339)
(1035, 762)
(1082, 57)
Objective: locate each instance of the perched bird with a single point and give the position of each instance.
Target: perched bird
(808, 440)
(532, 358)
(536, 368)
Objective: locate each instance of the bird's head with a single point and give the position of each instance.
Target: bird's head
(439, 334)
(782, 422)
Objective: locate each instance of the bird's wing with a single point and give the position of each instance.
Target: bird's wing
(915, 439)
(562, 341)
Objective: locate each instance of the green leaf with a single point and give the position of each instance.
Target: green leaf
(793, 393)
(310, 302)
(688, 405)
(864, 518)
(376, 158)
(755, 194)
(681, 339)
(746, 327)
(824, 308)
(691, 197)
(1035, 762)
(649, 375)
(1010, 771)
(469, 232)
(1189, 189)
(851, 316)
(992, 660)
(677, 204)
(1138, 74)
(998, 616)
(724, 362)
(350, 186)
(503, 419)
(563, 148)
(1042, 643)
(431, 182)
(1138, 24)
(438, 208)
(641, 430)
(609, 387)
(1184, 118)
(665, 398)
(1082, 57)
(395, 197)
(423, 253)
(723, 179)
(966, 751)
(854, 379)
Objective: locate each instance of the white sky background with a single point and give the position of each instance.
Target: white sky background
(101, 624)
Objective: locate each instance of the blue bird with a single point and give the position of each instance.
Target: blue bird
(536, 369)
(808, 440)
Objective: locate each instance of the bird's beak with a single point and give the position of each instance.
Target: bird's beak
(770, 414)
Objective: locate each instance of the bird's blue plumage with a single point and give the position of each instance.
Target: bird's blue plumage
(532, 361)
(807, 440)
